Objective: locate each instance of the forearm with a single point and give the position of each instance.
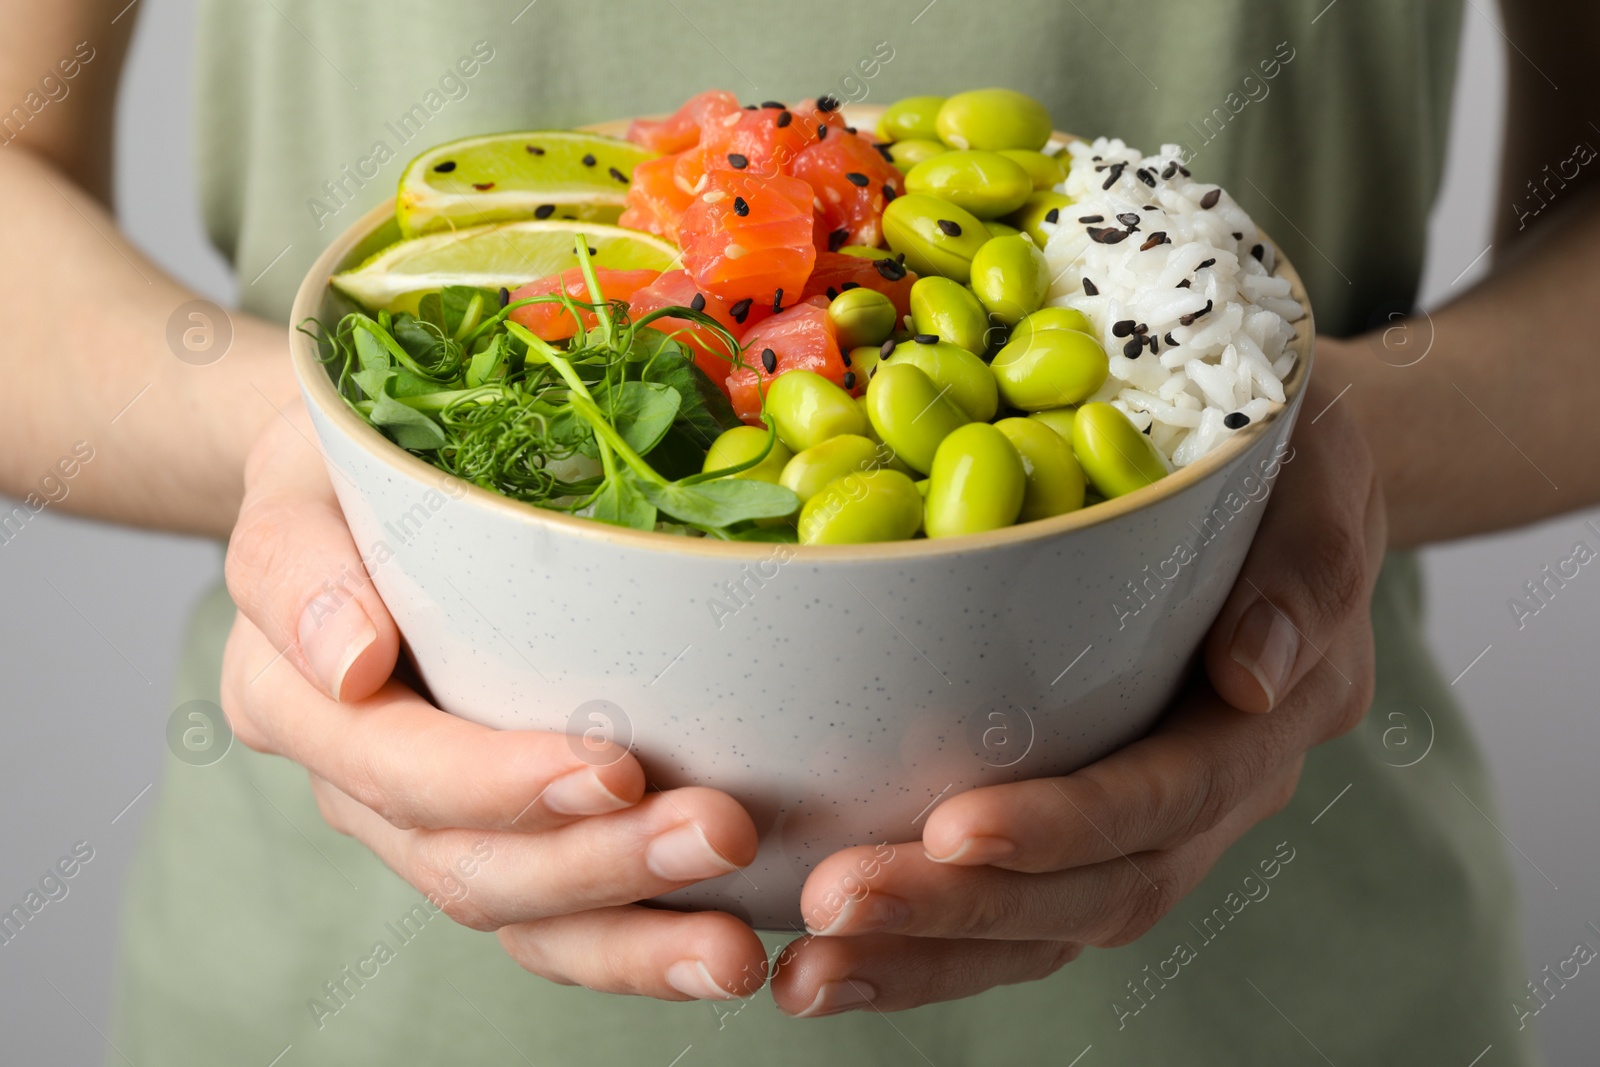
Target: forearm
(87, 360)
(1496, 425)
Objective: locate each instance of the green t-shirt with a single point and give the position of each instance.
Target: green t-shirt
(1370, 922)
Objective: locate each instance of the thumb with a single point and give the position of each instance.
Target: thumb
(294, 570)
(1309, 573)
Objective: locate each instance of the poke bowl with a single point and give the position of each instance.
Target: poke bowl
(838, 691)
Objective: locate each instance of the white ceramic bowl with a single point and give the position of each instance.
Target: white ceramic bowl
(838, 692)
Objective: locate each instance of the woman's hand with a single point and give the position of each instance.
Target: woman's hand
(1010, 882)
(574, 839)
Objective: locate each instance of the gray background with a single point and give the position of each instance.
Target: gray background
(88, 648)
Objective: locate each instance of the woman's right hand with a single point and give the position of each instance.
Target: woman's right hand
(572, 836)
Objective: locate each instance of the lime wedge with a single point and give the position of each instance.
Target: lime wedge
(505, 254)
(547, 174)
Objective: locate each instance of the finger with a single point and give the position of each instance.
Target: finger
(704, 955)
(1104, 904)
(294, 570)
(411, 762)
(665, 842)
(1201, 762)
(825, 975)
(1310, 571)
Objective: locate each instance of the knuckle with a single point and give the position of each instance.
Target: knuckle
(1335, 571)
(1154, 891)
(258, 547)
(362, 778)
(434, 871)
(995, 910)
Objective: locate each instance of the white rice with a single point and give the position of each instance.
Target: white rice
(1232, 358)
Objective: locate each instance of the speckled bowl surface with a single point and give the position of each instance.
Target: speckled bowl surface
(838, 692)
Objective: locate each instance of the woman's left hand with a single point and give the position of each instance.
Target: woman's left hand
(1010, 882)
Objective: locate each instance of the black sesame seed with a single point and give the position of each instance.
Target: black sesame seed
(1236, 420)
(593, 251)
(891, 269)
(1172, 342)
(1206, 263)
(1086, 220)
(949, 228)
(769, 360)
(1166, 175)
(849, 379)
(1053, 215)
(544, 211)
(777, 301)
(505, 296)
(1116, 173)
(1090, 288)
(740, 311)
(845, 356)
(926, 338)
(1188, 320)
(822, 132)
(1157, 238)
(886, 349)
(1260, 252)
(1123, 328)
(857, 179)
(1210, 200)
(483, 187)
(847, 286)
(737, 162)
(588, 160)
(772, 104)
(1141, 329)
(445, 168)
(699, 302)
(1186, 283)
(1238, 237)
(888, 193)
(1146, 177)
(1155, 346)
(741, 207)
(784, 118)
(1105, 236)
(883, 150)
(1146, 430)
(838, 238)
(1183, 170)
(534, 150)
(1134, 346)
(617, 174)
(828, 102)
(849, 129)
(1128, 218)
(751, 107)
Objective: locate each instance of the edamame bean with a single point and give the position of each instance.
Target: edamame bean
(977, 483)
(808, 409)
(907, 154)
(948, 310)
(1053, 319)
(1010, 278)
(1117, 458)
(836, 457)
(934, 235)
(909, 414)
(742, 444)
(1049, 369)
(913, 117)
(1058, 419)
(1000, 229)
(959, 374)
(1055, 482)
(993, 119)
(879, 505)
(864, 361)
(985, 183)
(1037, 209)
(1047, 172)
(862, 317)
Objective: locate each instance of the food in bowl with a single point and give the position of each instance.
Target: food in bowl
(799, 331)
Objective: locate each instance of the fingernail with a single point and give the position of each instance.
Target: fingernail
(581, 793)
(333, 638)
(873, 913)
(839, 996)
(692, 979)
(684, 855)
(1266, 644)
(977, 850)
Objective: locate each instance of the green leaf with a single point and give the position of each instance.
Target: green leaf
(642, 412)
(785, 535)
(374, 383)
(621, 503)
(372, 353)
(723, 502)
(680, 454)
(485, 362)
(430, 309)
(704, 408)
(408, 427)
(463, 307)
